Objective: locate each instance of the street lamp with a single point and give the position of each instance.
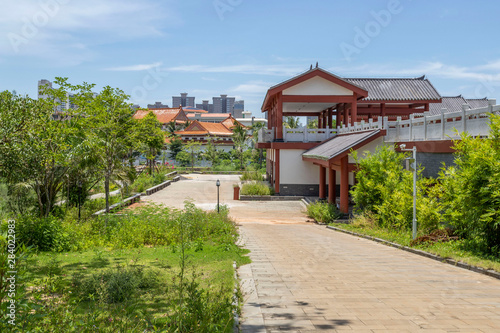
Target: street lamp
(218, 185)
(413, 166)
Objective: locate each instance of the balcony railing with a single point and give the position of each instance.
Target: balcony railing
(420, 127)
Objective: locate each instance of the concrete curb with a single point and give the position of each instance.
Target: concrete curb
(449, 261)
(269, 198)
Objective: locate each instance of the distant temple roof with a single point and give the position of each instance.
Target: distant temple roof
(396, 89)
(454, 104)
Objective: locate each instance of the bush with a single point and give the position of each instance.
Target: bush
(43, 234)
(115, 286)
(469, 194)
(256, 188)
(323, 212)
(385, 189)
(252, 175)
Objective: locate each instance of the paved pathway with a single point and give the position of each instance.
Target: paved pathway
(306, 278)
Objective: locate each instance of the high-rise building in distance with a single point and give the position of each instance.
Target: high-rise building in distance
(182, 100)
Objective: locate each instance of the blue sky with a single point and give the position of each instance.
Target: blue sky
(154, 49)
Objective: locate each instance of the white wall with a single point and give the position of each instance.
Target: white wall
(317, 86)
(371, 147)
(293, 170)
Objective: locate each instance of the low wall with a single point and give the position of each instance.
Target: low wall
(126, 202)
(270, 198)
(159, 187)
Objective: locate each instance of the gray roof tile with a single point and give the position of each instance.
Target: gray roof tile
(395, 89)
(454, 104)
(337, 145)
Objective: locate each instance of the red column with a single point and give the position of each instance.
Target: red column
(344, 185)
(277, 171)
(332, 186)
(354, 110)
(279, 117)
(322, 182)
(330, 121)
(319, 120)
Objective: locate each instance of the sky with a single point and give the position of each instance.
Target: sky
(156, 49)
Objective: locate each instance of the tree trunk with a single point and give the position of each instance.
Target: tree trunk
(106, 191)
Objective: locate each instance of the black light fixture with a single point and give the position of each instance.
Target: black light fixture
(218, 185)
(79, 198)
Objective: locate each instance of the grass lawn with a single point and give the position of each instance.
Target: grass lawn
(460, 250)
(53, 279)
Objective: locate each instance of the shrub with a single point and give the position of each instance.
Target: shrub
(43, 234)
(256, 188)
(115, 286)
(385, 189)
(470, 195)
(323, 212)
(252, 175)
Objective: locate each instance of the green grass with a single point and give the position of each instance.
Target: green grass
(323, 212)
(155, 269)
(252, 175)
(256, 188)
(461, 250)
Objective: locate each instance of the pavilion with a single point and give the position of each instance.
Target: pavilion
(299, 166)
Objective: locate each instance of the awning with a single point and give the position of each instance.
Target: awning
(340, 145)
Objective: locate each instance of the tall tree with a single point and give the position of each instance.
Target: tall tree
(292, 122)
(149, 138)
(108, 118)
(239, 139)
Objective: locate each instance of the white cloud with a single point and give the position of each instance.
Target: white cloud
(66, 27)
(133, 68)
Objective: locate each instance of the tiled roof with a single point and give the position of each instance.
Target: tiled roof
(395, 89)
(204, 128)
(338, 145)
(230, 122)
(164, 116)
(476, 103)
(454, 104)
(192, 109)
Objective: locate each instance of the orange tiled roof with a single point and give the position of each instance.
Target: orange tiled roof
(230, 122)
(164, 116)
(203, 128)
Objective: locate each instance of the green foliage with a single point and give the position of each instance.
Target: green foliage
(175, 147)
(470, 191)
(256, 188)
(323, 212)
(149, 138)
(115, 285)
(43, 233)
(252, 175)
(292, 122)
(385, 189)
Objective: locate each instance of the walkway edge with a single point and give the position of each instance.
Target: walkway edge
(449, 261)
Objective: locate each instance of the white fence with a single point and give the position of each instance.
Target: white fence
(420, 127)
(444, 126)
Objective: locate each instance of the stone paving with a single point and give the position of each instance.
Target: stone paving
(306, 278)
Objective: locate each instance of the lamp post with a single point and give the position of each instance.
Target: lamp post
(218, 185)
(413, 165)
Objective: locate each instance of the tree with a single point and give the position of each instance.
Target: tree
(239, 138)
(192, 148)
(171, 128)
(175, 147)
(211, 154)
(312, 124)
(108, 118)
(149, 138)
(292, 122)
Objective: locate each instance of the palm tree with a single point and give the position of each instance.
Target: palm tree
(239, 137)
(292, 122)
